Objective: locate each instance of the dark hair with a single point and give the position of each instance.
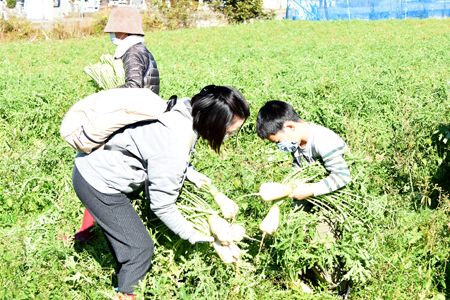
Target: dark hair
(215, 109)
(272, 116)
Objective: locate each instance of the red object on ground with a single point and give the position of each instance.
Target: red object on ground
(84, 234)
(126, 297)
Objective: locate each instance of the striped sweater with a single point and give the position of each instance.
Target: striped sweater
(326, 146)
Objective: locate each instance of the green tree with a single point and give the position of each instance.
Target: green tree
(11, 3)
(239, 11)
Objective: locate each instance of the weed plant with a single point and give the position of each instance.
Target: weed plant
(384, 86)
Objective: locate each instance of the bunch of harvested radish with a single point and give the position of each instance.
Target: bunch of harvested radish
(228, 207)
(221, 229)
(226, 236)
(226, 233)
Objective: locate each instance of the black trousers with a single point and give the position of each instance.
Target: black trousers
(128, 239)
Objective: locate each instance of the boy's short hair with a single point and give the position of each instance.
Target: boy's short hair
(272, 116)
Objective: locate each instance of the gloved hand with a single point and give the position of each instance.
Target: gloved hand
(197, 178)
(197, 237)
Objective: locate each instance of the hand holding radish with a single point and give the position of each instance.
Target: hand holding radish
(196, 177)
(197, 237)
(302, 191)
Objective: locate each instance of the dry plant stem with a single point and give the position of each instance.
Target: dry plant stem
(236, 269)
(46, 37)
(34, 36)
(260, 245)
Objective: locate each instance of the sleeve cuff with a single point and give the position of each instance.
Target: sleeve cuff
(320, 188)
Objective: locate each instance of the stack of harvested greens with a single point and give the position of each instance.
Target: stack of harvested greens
(108, 73)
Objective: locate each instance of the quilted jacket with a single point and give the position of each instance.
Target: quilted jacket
(138, 72)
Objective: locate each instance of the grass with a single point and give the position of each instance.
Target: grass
(384, 86)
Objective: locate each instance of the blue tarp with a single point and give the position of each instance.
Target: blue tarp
(323, 10)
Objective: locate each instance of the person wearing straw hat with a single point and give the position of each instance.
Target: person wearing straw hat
(125, 30)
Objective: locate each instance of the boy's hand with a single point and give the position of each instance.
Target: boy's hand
(301, 192)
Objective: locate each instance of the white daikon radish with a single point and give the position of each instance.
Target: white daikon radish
(228, 207)
(236, 252)
(221, 229)
(238, 232)
(273, 191)
(225, 253)
(270, 223)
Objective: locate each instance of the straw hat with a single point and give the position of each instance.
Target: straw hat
(124, 19)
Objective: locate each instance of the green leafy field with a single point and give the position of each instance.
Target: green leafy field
(384, 86)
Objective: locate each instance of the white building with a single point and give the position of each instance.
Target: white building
(39, 10)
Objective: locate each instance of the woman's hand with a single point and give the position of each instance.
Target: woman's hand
(197, 237)
(301, 192)
(197, 178)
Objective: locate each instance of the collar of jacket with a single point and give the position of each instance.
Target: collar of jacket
(125, 44)
(183, 125)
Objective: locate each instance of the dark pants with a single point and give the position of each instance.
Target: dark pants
(128, 239)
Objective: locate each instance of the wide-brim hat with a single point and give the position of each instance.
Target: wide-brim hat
(125, 19)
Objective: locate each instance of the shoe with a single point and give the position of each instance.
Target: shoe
(84, 234)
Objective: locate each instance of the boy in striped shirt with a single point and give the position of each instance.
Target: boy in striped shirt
(278, 122)
(307, 142)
